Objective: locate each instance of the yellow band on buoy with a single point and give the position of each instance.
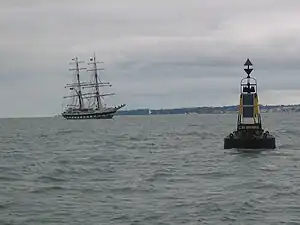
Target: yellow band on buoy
(256, 105)
(251, 103)
(241, 105)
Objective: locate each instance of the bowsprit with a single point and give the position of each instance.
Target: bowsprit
(249, 133)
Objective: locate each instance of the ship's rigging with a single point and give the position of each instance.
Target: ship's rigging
(86, 95)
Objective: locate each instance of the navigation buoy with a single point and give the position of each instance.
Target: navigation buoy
(249, 133)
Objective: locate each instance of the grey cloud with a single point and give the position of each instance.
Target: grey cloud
(157, 53)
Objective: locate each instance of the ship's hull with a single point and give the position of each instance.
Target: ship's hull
(90, 114)
(85, 116)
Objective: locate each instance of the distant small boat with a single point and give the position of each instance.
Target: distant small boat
(88, 105)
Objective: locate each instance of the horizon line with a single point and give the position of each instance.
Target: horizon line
(56, 114)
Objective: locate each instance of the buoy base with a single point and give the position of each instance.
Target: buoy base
(265, 141)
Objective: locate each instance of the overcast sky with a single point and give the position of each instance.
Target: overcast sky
(157, 54)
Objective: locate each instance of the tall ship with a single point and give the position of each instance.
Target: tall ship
(86, 101)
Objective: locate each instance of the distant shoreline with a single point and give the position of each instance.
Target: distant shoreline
(208, 110)
(187, 110)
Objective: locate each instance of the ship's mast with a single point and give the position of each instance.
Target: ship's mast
(78, 91)
(97, 83)
(95, 69)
